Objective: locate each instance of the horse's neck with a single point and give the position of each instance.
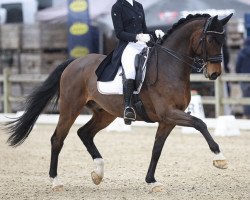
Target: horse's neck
(175, 67)
(180, 41)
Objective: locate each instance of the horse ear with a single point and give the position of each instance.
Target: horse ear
(214, 19)
(226, 19)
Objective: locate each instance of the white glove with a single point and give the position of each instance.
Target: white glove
(159, 33)
(143, 37)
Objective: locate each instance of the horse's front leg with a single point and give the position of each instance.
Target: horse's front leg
(183, 119)
(162, 133)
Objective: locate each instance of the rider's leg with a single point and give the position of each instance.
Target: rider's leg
(127, 60)
(128, 90)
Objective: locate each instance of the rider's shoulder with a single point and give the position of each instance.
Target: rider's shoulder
(138, 4)
(117, 6)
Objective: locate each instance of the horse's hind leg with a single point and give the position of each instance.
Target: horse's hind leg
(99, 121)
(66, 119)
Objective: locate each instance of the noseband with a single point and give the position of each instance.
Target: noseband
(197, 63)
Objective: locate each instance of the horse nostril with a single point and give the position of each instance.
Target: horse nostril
(213, 76)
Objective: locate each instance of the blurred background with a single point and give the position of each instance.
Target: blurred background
(38, 35)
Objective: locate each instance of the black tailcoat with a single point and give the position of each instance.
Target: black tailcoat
(128, 21)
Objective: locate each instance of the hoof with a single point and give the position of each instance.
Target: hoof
(58, 188)
(221, 164)
(156, 187)
(96, 178)
(220, 161)
(56, 185)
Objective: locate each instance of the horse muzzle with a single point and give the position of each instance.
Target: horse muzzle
(214, 76)
(212, 71)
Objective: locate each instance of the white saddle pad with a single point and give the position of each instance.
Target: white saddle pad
(116, 86)
(112, 87)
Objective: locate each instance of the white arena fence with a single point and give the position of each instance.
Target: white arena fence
(219, 99)
(118, 125)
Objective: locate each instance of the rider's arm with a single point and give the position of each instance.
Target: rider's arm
(144, 26)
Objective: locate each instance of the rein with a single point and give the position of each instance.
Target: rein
(197, 63)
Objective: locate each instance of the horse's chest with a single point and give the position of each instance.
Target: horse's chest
(179, 97)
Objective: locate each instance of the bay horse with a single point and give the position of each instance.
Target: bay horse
(193, 42)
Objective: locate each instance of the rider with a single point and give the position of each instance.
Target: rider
(131, 30)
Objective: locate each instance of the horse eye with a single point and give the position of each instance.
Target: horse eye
(220, 40)
(209, 40)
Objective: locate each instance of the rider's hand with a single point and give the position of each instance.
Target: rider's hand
(143, 37)
(159, 33)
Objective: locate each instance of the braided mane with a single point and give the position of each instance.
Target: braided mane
(182, 21)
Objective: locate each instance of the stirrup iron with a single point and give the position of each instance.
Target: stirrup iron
(129, 111)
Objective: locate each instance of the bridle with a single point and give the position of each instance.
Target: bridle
(198, 63)
(215, 58)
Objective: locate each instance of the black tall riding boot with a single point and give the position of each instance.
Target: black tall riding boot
(129, 112)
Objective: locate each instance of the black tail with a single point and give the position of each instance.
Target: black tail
(35, 103)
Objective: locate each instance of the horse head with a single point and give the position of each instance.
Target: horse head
(208, 46)
(201, 37)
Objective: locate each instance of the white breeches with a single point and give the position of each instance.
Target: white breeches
(128, 58)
